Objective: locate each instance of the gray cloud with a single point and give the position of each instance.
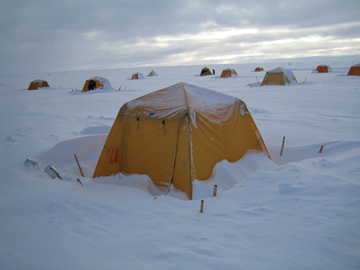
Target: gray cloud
(45, 35)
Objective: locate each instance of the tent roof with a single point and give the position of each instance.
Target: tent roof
(175, 101)
(38, 81)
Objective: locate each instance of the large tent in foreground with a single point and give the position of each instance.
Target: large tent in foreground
(96, 83)
(34, 85)
(177, 134)
(354, 70)
(279, 76)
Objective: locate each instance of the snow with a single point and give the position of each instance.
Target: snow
(300, 210)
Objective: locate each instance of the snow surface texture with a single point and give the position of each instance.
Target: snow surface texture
(300, 210)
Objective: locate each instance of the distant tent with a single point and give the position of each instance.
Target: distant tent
(38, 84)
(323, 69)
(354, 70)
(96, 83)
(137, 76)
(152, 73)
(258, 69)
(279, 76)
(229, 72)
(205, 71)
(177, 134)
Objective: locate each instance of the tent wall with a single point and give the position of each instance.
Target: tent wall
(183, 169)
(207, 146)
(149, 147)
(110, 161)
(241, 134)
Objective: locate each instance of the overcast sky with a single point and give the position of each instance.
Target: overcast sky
(47, 35)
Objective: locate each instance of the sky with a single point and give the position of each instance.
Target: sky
(47, 35)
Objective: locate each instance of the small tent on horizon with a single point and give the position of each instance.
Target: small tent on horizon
(96, 83)
(354, 70)
(34, 85)
(137, 76)
(177, 134)
(259, 69)
(205, 71)
(279, 76)
(323, 69)
(228, 73)
(152, 73)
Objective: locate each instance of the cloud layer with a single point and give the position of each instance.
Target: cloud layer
(46, 35)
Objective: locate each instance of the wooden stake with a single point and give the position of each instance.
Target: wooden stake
(321, 148)
(282, 146)
(78, 180)
(58, 176)
(78, 165)
(202, 206)
(215, 190)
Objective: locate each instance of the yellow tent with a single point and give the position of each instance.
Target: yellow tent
(96, 83)
(38, 84)
(177, 134)
(354, 70)
(323, 69)
(229, 72)
(205, 71)
(137, 76)
(279, 76)
(152, 73)
(258, 69)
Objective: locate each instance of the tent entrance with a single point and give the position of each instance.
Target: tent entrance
(149, 148)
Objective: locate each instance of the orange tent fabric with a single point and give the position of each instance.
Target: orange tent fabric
(38, 84)
(177, 134)
(229, 72)
(354, 70)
